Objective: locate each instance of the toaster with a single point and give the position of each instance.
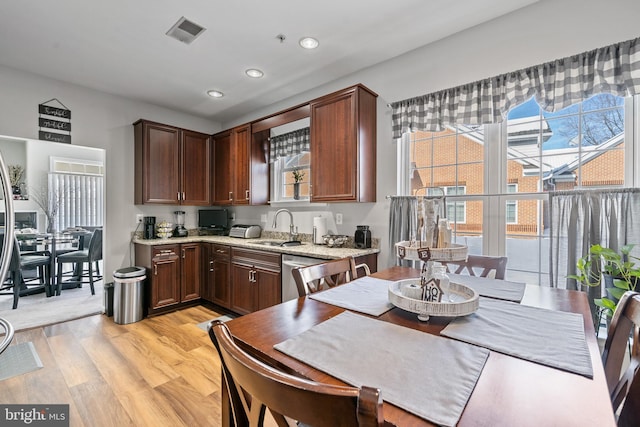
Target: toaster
(245, 231)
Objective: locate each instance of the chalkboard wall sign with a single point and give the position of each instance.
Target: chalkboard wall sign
(54, 122)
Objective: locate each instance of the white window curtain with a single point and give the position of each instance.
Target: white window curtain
(580, 219)
(612, 69)
(289, 144)
(80, 199)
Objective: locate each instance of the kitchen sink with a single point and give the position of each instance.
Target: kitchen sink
(278, 243)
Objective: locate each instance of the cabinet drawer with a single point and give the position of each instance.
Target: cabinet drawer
(265, 260)
(221, 251)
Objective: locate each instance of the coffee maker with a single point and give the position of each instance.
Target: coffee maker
(180, 231)
(149, 231)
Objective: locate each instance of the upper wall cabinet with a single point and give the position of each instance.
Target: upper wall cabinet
(172, 165)
(241, 168)
(343, 146)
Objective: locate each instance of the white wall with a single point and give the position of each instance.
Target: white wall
(542, 32)
(98, 120)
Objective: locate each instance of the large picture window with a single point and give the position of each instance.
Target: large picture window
(506, 169)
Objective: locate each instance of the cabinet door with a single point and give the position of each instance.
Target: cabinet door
(222, 169)
(221, 279)
(161, 160)
(191, 272)
(196, 169)
(242, 289)
(241, 159)
(268, 288)
(165, 283)
(333, 148)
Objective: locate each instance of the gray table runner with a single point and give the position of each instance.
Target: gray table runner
(551, 338)
(492, 288)
(424, 374)
(366, 295)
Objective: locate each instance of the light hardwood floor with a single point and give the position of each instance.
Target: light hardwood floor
(161, 371)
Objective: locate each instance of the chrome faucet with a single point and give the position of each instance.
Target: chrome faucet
(293, 231)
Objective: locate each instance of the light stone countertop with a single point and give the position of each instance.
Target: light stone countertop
(307, 249)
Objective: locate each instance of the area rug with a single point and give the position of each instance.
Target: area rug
(224, 318)
(38, 310)
(19, 359)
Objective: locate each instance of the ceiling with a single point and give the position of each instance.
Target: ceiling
(120, 46)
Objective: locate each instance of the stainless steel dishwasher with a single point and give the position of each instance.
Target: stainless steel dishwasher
(289, 262)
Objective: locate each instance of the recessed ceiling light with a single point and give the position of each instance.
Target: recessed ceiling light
(215, 93)
(254, 73)
(309, 43)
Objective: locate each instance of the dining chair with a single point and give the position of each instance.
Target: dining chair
(625, 323)
(314, 278)
(92, 254)
(479, 265)
(17, 284)
(254, 387)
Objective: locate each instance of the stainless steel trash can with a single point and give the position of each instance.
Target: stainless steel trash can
(128, 296)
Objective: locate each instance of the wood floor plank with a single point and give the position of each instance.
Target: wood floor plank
(73, 361)
(98, 405)
(193, 408)
(115, 382)
(149, 364)
(201, 369)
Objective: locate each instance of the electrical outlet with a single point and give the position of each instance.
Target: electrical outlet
(139, 218)
(232, 216)
(263, 217)
(338, 218)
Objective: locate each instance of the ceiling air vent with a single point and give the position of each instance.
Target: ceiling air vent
(186, 31)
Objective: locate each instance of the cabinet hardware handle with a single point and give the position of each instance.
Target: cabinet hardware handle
(183, 197)
(211, 265)
(184, 254)
(230, 195)
(178, 195)
(246, 193)
(155, 269)
(250, 276)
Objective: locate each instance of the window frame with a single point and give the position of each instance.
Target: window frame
(495, 195)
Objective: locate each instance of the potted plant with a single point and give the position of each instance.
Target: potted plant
(297, 179)
(16, 172)
(618, 271)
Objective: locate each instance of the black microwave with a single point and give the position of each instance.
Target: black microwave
(214, 220)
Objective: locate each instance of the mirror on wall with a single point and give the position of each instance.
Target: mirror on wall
(55, 186)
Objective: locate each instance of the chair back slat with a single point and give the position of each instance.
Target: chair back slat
(479, 265)
(328, 274)
(623, 386)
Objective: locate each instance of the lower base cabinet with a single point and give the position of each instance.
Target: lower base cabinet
(255, 280)
(174, 274)
(217, 285)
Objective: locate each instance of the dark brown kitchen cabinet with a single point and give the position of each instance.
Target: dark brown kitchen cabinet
(255, 280)
(174, 274)
(241, 168)
(217, 274)
(190, 271)
(343, 146)
(172, 165)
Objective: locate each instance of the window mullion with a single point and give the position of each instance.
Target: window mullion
(493, 221)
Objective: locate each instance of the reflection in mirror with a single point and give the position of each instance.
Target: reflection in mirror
(56, 186)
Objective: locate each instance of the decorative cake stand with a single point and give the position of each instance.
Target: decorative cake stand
(459, 300)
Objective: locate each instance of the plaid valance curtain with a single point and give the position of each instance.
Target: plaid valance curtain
(289, 144)
(612, 69)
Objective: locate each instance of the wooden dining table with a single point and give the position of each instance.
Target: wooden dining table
(509, 392)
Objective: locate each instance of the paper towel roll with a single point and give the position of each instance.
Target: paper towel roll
(319, 229)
